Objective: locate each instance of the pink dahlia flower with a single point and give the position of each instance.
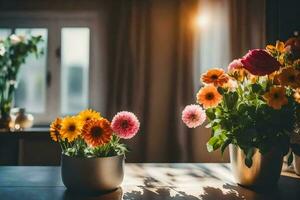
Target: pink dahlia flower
(235, 65)
(193, 116)
(125, 124)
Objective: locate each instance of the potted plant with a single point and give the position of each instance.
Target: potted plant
(251, 108)
(13, 53)
(92, 154)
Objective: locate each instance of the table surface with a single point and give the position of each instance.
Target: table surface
(145, 182)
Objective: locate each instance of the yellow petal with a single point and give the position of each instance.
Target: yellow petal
(280, 46)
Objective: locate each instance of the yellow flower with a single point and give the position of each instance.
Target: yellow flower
(297, 95)
(276, 97)
(55, 129)
(71, 128)
(239, 74)
(253, 79)
(289, 76)
(278, 48)
(88, 114)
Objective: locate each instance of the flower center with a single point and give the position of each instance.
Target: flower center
(124, 124)
(193, 117)
(292, 78)
(214, 77)
(96, 131)
(276, 96)
(72, 127)
(209, 96)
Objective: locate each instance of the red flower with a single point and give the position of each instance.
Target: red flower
(259, 62)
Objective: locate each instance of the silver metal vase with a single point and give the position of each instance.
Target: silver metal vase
(264, 172)
(92, 174)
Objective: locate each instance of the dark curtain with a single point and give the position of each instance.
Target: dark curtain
(129, 65)
(149, 73)
(247, 25)
(182, 91)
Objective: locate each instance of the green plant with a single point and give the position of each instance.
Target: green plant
(244, 119)
(13, 53)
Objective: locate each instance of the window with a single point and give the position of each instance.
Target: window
(58, 83)
(213, 39)
(31, 88)
(74, 69)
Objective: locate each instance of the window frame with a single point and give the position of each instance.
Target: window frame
(54, 22)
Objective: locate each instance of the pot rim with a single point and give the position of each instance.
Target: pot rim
(93, 158)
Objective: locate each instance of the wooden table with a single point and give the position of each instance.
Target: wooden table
(145, 182)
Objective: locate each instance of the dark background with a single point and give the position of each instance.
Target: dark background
(282, 19)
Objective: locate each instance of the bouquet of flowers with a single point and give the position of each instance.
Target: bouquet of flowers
(88, 134)
(253, 104)
(13, 53)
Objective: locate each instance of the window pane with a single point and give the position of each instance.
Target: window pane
(75, 44)
(31, 90)
(4, 33)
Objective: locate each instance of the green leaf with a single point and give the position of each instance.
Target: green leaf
(210, 114)
(249, 155)
(225, 145)
(256, 88)
(231, 99)
(290, 159)
(221, 90)
(213, 144)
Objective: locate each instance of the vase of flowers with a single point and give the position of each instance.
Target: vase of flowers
(13, 53)
(92, 155)
(252, 107)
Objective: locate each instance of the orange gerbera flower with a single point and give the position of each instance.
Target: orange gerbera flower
(297, 95)
(289, 76)
(209, 96)
(215, 76)
(276, 97)
(97, 132)
(55, 129)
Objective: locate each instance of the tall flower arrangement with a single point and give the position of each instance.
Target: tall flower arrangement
(88, 134)
(253, 104)
(13, 53)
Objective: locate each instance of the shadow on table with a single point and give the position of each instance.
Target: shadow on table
(288, 188)
(115, 195)
(157, 194)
